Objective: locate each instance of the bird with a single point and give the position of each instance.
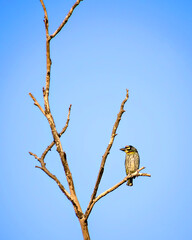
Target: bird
(132, 161)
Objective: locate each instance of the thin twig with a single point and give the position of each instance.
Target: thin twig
(36, 103)
(44, 8)
(60, 134)
(35, 156)
(66, 19)
(57, 181)
(101, 170)
(67, 122)
(48, 59)
(136, 174)
(43, 168)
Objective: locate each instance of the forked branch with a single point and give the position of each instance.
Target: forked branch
(49, 116)
(60, 134)
(44, 169)
(136, 174)
(36, 103)
(57, 141)
(113, 134)
(66, 19)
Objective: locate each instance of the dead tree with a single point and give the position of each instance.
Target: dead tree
(71, 195)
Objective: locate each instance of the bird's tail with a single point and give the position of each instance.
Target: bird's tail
(130, 182)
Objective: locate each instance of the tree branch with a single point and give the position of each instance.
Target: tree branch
(101, 170)
(66, 19)
(48, 59)
(36, 157)
(136, 174)
(44, 8)
(60, 134)
(36, 103)
(50, 118)
(44, 169)
(67, 122)
(57, 141)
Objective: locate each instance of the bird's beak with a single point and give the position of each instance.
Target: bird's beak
(122, 149)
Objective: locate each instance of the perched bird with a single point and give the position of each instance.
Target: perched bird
(132, 161)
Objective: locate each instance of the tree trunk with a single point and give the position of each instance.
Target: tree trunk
(84, 228)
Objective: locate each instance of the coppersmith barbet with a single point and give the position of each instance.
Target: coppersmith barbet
(132, 161)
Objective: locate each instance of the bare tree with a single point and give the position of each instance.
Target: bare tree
(72, 196)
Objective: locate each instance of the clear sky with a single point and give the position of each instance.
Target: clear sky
(106, 47)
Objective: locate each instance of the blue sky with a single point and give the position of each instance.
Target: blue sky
(106, 47)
